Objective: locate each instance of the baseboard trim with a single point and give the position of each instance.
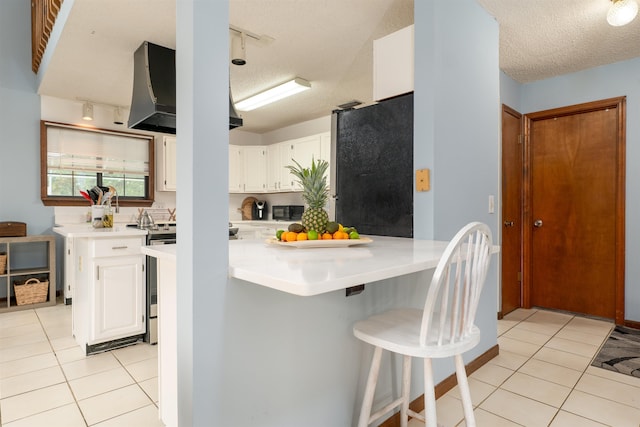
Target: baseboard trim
(445, 385)
(632, 324)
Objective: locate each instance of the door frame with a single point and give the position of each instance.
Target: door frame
(620, 104)
(519, 141)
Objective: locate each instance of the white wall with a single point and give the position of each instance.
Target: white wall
(299, 130)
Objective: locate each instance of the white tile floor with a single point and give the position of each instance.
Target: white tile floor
(542, 377)
(45, 379)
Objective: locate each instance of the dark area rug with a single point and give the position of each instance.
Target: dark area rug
(621, 352)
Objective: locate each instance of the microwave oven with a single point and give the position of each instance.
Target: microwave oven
(287, 212)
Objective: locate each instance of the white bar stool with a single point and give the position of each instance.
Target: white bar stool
(444, 328)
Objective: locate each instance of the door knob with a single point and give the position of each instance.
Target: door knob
(508, 223)
(537, 223)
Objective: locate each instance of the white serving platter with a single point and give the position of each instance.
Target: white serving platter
(307, 244)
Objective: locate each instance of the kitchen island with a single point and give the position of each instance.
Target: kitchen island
(290, 357)
(104, 272)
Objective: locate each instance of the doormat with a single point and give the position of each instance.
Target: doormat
(620, 352)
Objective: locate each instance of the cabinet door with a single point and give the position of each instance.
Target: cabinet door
(286, 154)
(236, 175)
(274, 167)
(393, 64)
(304, 151)
(168, 165)
(255, 169)
(325, 152)
(119, 300)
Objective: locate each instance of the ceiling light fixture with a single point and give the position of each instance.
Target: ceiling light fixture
(274, 94)
(238, 50)
(117, 116)
(622, 12)
(87, 111)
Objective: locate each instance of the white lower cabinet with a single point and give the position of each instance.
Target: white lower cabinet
(110, 292)
(118, 300)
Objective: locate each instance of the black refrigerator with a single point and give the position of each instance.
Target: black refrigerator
(373, 182)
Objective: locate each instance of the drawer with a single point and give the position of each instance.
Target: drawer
(117, 247)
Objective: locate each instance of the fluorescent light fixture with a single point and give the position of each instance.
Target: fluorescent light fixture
(622, 12)
(87, 111)
(274, 94)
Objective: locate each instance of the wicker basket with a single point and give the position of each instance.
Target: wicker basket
(3, 262)
(32, 291)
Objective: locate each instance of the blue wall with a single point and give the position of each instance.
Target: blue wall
(510, 92)
(590, 85)
(20, 123)
(249, 355)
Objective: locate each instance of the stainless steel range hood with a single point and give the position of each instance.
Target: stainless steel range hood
(153, 101)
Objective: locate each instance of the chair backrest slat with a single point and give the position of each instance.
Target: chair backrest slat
(453, 296)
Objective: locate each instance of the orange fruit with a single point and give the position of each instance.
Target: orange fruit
(327, 236)
(283, 236)
(302, 236)
(338, 235)
(291, 236)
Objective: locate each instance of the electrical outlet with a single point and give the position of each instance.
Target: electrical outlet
(492, 206)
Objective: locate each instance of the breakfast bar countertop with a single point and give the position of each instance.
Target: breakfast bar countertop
(86, 230)
(313, 271)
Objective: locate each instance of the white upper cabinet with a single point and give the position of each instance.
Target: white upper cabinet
(276, 172)
(236, 169)
(166, 175)
(255, 169)
(260, 169)
(393, 64)
(325, 151)
(304, 150)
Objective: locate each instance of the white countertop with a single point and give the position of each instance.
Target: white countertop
(264, 222)
(313, 271)
(167, 252)
(86, 230)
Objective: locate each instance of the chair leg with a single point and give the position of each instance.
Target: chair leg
(406, 391)
(463, 385)
(372, 380)
(429, 395)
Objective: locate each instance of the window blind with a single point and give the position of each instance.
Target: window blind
(96, 151)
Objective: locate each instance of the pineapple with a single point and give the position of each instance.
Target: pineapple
(314, 192)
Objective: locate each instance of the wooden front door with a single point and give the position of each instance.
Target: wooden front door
(574, 211)
(511, 251)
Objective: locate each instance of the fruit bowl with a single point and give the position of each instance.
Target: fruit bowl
(302, 244)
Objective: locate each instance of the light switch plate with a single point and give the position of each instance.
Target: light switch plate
(423, 183)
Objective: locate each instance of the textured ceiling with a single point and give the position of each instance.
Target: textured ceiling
(546, 38)
(327, 42)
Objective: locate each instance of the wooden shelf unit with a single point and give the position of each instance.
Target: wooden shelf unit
(12, 274)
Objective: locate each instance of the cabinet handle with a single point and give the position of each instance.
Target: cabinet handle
(97, 273)
(119, 247)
